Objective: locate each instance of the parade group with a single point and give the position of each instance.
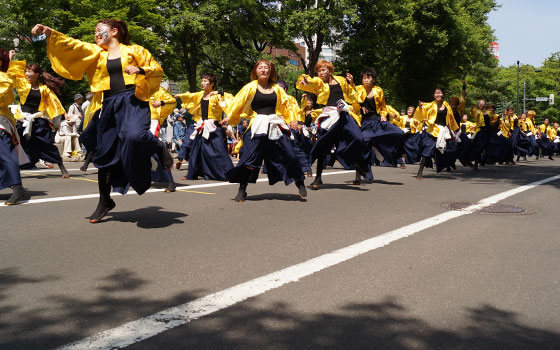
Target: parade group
(336, 120)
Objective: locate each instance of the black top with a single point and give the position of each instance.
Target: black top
(464, 128)
(264, 103)
(204, 108)
(335, 94)
(407, 124)
(114, 67)
(441, 116)
(486, 120)
(32, 102)
(370, 105)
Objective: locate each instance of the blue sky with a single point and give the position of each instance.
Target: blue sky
(527, 30)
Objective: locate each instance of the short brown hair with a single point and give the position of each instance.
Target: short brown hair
(273, 76)
(324, 64)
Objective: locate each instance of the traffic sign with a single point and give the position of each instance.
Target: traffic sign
(542, 99)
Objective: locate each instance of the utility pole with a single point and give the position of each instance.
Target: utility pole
(517, 98)
(524, 95)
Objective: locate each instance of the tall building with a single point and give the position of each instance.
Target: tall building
(495, 50)
(292, 57)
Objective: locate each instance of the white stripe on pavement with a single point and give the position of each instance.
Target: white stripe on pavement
(144, 328)
(189, 187)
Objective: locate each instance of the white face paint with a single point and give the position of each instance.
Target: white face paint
(101, 35)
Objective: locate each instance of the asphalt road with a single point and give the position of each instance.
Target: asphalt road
(477, 281)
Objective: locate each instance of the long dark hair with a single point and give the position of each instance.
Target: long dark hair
(52, 82)
(4, 61)
(123, 36)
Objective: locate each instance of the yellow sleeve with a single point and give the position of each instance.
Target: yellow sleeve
(50, 102)
(162, 112)
(314, 85)
(147, 83)
(16, 71)
(6, 96)
(71, 58)
(294, 110)
(189, 98)
(237, 105)
(382, 108)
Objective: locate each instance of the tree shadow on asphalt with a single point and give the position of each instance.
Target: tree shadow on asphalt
(148, 218)
(386, 324)
(61, 319)
(383, 325)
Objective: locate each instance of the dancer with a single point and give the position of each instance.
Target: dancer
(412, 136)
(9, 139)
(377, 131)
(122, 77)
(39, 104)
(336, 126)
(204, 144)
(267, 136)
(301, 137)
(437, 139)
(531, 132)
(162, 105)
(546, 135)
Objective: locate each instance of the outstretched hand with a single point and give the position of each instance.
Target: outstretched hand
(11, 54)
(41, 29)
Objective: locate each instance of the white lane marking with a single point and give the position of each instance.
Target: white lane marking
(144, 328)
(96, 195)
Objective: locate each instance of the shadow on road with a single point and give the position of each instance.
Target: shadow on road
(276, 196)
(386, 324)
(148, 218)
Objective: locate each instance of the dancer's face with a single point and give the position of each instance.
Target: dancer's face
(481, 104)
(263, 71)
(410, 111)
(104, 34)
(465, 118)
(368, 80)
(324, 74)
(206, 85)
(509, 112)
(546, 121)
(438, 95)
(31, 76)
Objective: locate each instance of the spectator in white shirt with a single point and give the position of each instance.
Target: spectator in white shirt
(68, 135)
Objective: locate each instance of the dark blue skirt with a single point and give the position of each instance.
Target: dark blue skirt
(160, 175)
(534, 145)
(9, 164)
(427, 145)
(447, 158)
(384, 136)
(411, 146)
(346, 135)
(185, 149)
(280, 159)
(121, 135)
(480, 143)
(209, 158)
(545, 145)
(499, 148)
(302, 147)
(40, 144)
(464, 149)
(520, 143)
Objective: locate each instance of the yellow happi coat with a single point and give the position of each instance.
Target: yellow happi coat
(322, 90)
(49, 101)
(428, 113)
(216, 104)
(72, 59)
(162, 112)
(241, 104)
